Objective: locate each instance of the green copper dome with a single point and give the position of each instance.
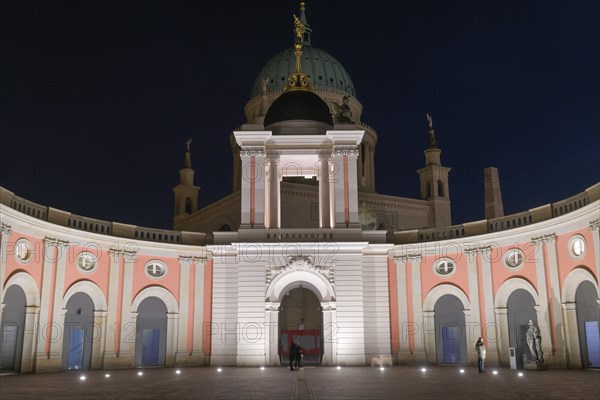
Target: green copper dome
(324, 71)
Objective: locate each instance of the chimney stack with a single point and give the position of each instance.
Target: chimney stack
(493, 195)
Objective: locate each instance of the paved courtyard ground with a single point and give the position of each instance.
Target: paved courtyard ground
(320, 383)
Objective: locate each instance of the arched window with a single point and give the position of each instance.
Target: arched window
(188, 205)
(440, 189)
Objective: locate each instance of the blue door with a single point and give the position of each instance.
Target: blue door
(592, 338)
(150, 346)
(451, 344)
(76, 348)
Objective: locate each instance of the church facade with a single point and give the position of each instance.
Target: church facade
(304, 248)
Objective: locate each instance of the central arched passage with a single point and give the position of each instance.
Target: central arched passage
(300, 317)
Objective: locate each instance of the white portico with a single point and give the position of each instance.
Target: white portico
(267, 159)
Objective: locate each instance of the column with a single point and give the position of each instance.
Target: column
(58, 310)
(571, 335)
(474, 328)
(247, 177)
(5, 231)
(181, 353)
(272, 334)
(340, 196)
(345, 187)
(46, 307)
(427, 328)
(274, 198)
(30, 336)
(501, 314)
(259, 191)
(99, 335)
(172, 334)
(324, 183)
(403, 328)
(199, 297)
(330, 329)
(543, 315)
(128, 316)
(372, 167)
(352, 190)
(428, 337)
(253, 187)
(594, 228)
(112, 336)
(557, 324)
(491, 333)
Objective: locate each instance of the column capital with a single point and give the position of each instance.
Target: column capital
(537, 241)
(200, 260)
(53, 242)
(551, 238)
(540, 240)
(252, 151)
(569, 306)
(485, 251)
(273, 158)
(129, 255)
(5, 229)
(324, 156)
(408, 258)
(340, 150)
(594, 225)
(501, 310)
(186, 260)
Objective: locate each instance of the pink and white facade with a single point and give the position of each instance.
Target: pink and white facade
(304, 247)
(220, 303)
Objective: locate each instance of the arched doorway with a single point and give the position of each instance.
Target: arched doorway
(521, 309)
(12, 328)
(588, 325)
(300, 317)
(151, 333)
(450, 330)
(78, 332)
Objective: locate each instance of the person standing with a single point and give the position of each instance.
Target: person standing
(299, 361)
(480, 348)
(292, 354)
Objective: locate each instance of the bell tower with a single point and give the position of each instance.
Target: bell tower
(434, 183)
(186, 194)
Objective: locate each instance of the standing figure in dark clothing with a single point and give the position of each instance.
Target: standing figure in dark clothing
(292, 354)
(299, 363)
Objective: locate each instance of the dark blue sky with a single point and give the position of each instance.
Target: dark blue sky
(97, 98)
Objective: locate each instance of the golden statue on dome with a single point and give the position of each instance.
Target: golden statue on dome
(298, 80)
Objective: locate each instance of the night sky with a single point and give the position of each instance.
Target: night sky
(97, 98)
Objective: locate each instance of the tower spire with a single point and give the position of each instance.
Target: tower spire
(431, 134)
(188, 157)
(298, 80)
(186, 193)
(308, 31)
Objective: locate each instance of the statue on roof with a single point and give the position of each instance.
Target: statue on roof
(299, 29)
(431, 143)
(188, 143)
(342, 113)
(265, 83)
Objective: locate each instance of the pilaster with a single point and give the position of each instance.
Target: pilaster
(573, 350)
(5, 231)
